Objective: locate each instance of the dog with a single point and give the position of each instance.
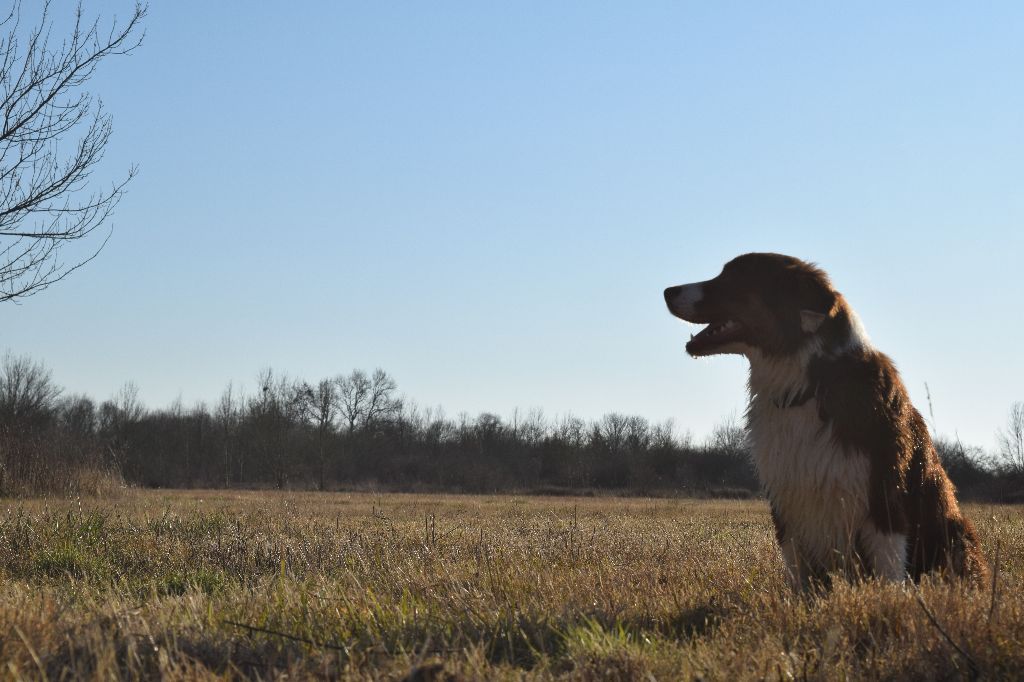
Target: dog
(853, 481)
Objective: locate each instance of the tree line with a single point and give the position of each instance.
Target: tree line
(355, 431)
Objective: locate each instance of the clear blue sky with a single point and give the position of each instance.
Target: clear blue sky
(487, 199)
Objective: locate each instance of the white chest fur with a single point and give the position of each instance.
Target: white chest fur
(818, 489)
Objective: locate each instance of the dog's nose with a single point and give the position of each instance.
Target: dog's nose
(671, 293)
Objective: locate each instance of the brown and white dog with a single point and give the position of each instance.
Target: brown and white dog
(853, 480)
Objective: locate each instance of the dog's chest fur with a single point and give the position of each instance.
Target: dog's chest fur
(818, 489)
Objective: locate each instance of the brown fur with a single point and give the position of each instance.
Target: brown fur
(867, 405)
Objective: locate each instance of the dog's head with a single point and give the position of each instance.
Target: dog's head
(763, 301)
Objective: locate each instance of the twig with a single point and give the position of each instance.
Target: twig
(286, 635)
(31, 651)
(426, 650)
(970, 661)
(995, 582)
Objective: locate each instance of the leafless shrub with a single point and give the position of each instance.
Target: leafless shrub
(1011, 439)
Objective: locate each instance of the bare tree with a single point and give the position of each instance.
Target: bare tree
(118, 416)
(609, 433)
(366, 400)
(638, 435)
(383, 405)
(437, 430)
(571, 431)
(53, 135)
(353, 395)
(663, 436)
(27, 391)
(228, 414)
(77, 415)
(28, 401)
(1011, 439)
(129, 406)
(729, 437)
(532, 428)
(321, 411)
(273, 413)
(489, 429)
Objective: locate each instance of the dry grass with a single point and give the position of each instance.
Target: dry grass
(268, 585)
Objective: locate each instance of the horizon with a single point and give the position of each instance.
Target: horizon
(487, 202)
(410, 408)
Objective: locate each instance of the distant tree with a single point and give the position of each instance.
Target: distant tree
(53, 135)
(196, 427)
(638, 435)
(610, 433)
(1011, 439)
(273, 414)
(353, 395)
(129, 406)
(365, 400)
(664, 450)
(227, 415)
(321, 410)
(384, 403)
(571, 431)
(488, 428)
(562, 462)
(972, 471)
(27, 392)
(529, 430)
(726, 457)
(118, 417)
(609, 443)
(78, 415)
(729, 438)
(663, 436)
(179, 435)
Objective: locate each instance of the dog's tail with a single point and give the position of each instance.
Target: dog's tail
(966, 559)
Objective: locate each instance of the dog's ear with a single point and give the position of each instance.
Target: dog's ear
(810, 320)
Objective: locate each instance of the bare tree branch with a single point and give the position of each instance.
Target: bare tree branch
(46, 195)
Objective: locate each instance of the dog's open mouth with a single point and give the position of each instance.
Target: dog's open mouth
(715, 335)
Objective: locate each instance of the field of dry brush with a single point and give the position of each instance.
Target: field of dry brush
(213, 584)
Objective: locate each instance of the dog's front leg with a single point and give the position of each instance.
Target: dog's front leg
(799, 573)
(886, 552)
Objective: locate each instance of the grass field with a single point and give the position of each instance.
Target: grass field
(212, 584)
